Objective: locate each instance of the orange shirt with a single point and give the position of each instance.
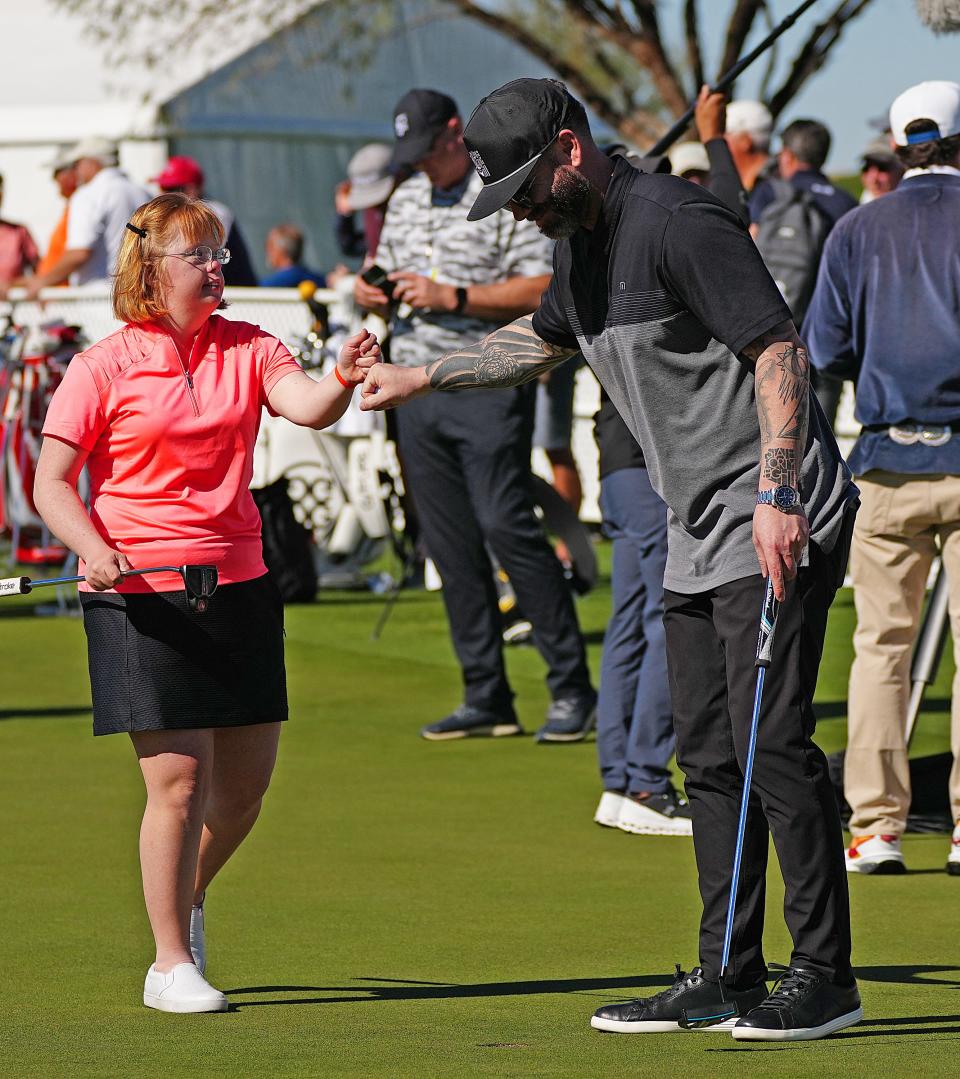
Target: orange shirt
(171, 457)
(58, 243)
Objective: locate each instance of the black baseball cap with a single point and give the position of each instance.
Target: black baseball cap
(507, 134)
(419, 117)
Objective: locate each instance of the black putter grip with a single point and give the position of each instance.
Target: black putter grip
(768, 626)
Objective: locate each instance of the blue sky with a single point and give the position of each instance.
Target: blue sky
(882, 52)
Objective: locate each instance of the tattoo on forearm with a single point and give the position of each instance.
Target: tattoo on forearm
(780, 466)
(782, 389)
(507, 357)
(793, 368)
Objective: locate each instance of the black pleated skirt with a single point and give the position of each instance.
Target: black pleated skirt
(156, 665)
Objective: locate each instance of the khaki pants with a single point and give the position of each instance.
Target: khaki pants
(904, 520)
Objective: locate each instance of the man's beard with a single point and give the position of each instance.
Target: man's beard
(568, 204)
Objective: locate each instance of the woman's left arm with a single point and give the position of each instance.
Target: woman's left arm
(310, 403)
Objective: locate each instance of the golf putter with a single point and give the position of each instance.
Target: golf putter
(199, 582)
(708, 1017)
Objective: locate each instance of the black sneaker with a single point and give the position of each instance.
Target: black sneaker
(803, 1006)
(467, 720)
(663, 1012)
(569, 719)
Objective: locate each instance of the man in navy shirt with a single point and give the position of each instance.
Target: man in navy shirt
(805, 145)
(886, 314)
(659, 285)
(284, 251)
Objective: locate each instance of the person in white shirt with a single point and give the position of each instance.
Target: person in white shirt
(99, 209)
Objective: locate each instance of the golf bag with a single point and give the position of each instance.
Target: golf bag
(27, 384)
(287, 549)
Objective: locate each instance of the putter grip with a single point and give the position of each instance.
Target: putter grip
(768, 626)
(15, 586)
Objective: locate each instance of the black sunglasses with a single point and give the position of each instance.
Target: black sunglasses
(521, 197)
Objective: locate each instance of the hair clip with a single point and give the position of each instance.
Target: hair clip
(142, 233)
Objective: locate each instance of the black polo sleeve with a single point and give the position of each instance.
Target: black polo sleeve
(710, 263)
(550, 319)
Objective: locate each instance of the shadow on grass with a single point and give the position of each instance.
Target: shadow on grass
(909, 974)
(408, 989)
(45, 713)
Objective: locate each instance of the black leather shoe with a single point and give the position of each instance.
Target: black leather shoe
(569, 719)
(803, 1006)
(664, 1011)
(467, 721)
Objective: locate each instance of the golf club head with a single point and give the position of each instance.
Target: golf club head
(199, 582)
(698, 1018)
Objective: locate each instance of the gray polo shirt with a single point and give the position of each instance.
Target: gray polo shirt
(661, 297)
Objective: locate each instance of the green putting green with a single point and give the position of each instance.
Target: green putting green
(406, 908)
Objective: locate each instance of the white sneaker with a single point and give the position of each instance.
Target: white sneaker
(182, 989)
(953, 860)
(198, 940)
(608, 811)
(657, 814)
(879, 854)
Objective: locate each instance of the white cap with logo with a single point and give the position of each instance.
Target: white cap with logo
(937, 101)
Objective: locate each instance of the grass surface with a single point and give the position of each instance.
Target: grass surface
(405, 908)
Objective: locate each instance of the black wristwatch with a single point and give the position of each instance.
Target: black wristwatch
(782, 498)
(461, 300)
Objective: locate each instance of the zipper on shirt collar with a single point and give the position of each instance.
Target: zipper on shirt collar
(187, 376)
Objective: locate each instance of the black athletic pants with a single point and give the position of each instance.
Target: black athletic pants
(466, 457)
(711, 648)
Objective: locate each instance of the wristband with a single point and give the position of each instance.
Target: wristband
(343, 382)
(461, 301)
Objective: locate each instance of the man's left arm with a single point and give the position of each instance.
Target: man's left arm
(782, 385)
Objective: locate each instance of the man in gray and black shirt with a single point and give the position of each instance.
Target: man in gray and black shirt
(468, 466)
(662, 289)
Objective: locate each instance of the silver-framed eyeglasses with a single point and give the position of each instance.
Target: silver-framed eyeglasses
(201, 255)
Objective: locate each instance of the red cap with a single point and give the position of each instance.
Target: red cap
(178, 172)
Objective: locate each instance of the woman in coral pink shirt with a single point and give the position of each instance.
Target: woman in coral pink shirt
(164, 414)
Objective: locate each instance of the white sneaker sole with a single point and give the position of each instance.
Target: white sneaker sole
(184, 1007)
(665, 1026)
(498, 730)
(609, 809)
(889, 866)
(799, 1034)
(615, 1026)
(638, 820)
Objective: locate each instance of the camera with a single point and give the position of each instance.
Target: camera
(377, 277)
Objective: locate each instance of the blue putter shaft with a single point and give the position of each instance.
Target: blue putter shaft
(768, 625)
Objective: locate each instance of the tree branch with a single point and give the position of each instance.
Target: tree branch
(694, 55)
(814, 52)
(635, 125)
(739, 26)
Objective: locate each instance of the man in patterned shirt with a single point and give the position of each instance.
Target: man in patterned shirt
(468, 466)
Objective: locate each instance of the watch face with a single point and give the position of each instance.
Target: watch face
(785, 498)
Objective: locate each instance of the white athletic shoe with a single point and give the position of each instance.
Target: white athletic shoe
(608, 811)
(879, 854)
(182, 989)
(198, 940)
(658, 814)
(953, 859)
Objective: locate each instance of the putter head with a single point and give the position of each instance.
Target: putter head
(698, 1018)
(199, 582)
